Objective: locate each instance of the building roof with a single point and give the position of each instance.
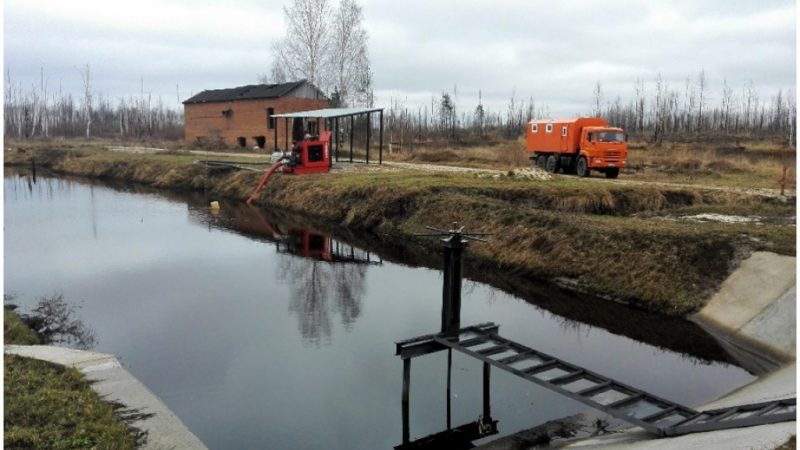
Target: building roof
(327, 113)
(249, 92)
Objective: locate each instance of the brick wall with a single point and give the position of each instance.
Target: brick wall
(247, 119)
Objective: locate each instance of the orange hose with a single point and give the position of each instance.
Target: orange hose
(267, 175)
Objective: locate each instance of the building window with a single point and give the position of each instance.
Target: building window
(227, 113)
(270, 119)
(563, 131)
(534, 128)
(549, 128)
(242, 141)
(260, 141)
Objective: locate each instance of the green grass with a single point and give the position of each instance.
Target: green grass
(16, 332)
(616, 240)
(48, 406)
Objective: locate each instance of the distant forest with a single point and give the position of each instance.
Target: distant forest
(654, 111)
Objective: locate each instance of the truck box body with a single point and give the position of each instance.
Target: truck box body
(564, 136)
(576, 144)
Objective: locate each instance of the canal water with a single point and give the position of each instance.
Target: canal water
(260, 333)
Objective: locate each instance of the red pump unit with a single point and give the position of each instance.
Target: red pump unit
(307, 156)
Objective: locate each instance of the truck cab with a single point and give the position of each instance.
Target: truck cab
(604, 148)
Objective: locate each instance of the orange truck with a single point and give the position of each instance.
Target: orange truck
(577, 145)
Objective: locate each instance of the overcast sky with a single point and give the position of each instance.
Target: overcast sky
(552, 51)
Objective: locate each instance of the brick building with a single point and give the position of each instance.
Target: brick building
(243, 115)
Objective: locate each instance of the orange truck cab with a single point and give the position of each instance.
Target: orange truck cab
(577, 145)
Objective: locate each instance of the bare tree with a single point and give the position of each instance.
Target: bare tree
(302, 52)
(349, 58)
(598, 98)
(701, 89)
(86, 77)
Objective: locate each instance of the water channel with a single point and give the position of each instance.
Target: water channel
(260, 331)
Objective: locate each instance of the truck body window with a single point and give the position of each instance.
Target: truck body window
(549, 128)
(563, 131)
(534, 128)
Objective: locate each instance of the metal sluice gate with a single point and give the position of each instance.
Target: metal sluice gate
(657, 415)
(654, 414)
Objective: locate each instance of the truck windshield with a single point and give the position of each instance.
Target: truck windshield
(611, 136)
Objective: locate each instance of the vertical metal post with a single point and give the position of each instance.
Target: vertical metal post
(369, 130)
(487, 403)
(336, 137)
(406, 382)
(449, 370)
(275, 133)
(451, 286)
(286, 132)
(327, 128)
(352, 128)
(380, 145)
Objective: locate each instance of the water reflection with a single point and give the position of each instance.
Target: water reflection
(326, 276)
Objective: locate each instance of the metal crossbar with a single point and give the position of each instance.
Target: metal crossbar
(655, 414)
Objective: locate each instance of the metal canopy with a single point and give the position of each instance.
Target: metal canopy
(328, 113)
(331, 116)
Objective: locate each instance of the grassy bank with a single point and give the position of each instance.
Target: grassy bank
(630, 243)
(49, 406)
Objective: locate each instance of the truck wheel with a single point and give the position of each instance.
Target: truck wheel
(541, 161)
(612, 173)
(582, 168)
(552, 164)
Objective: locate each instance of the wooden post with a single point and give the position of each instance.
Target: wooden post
(380, 145)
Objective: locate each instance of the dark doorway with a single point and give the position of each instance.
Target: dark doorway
(242, 141)
(260, 141)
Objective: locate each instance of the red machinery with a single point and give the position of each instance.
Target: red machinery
(307, 156)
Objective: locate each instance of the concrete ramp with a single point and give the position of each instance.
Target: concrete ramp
(753, 314)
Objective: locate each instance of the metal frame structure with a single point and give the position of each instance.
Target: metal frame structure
(657, 415)
(332, 116)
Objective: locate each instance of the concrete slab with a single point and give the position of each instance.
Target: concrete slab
(114, 383)
(755, 285)
(753, 315)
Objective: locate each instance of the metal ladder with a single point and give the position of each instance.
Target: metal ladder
(655, 414)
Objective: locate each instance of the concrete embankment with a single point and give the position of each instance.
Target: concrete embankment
(164, 429)
(753, 315)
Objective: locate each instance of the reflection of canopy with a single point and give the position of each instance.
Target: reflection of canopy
(300, 242)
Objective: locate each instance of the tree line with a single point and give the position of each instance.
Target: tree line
(38, 111)
(654, 112)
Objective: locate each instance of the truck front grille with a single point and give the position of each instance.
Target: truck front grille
(612, 154)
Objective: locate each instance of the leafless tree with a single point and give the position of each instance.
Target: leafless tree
(598, 98)
(348, 56)
(302, 53)
(701, 90)
(86, 77)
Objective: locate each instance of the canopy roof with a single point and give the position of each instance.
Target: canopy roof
(327, 113)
